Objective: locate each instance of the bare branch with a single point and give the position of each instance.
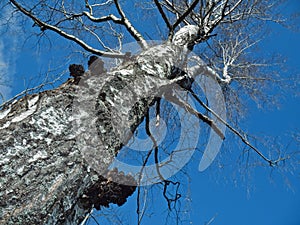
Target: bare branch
(131, 29)
(199, 115)
(185, 14)
(170, 7)
(205, 69)
(45, 26)
(155, 147)
(164, 16)
(97, 37)
(103, 18)
(90, 7)
(236, 132)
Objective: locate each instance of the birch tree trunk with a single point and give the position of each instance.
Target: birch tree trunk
(45, 177)
(56, 146)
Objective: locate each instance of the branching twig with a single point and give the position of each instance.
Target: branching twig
(97, 37)
(177, 196)
(90, 7)
(45, 26)
(110, 17)
(170, 7)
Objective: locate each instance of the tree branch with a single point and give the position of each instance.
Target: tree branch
(164, 16)
(155, 146)
(130, 28)
(188, 108)
(110, 17)
(187, 12)
(170, 7)
(90, 7)
(213, 24)
(46, 26)
(235, 131)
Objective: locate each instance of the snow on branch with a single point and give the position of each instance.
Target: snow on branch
(131, 29)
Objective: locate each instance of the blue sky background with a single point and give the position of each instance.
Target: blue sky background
(265, 196)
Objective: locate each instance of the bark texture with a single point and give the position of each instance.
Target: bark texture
(45, 179)
(56, 146)
(46, 144)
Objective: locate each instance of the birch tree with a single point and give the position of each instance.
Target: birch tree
(57, 146)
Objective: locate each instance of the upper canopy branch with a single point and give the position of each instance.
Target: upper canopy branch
(164, 16)
(130, 28)
(186, 13)
(110, 17)
(180, 18)
(45, 26)
(90, 7)
(225, 10)
(72, 16)
(206, 14)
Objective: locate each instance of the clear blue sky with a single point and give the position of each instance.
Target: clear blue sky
(264, 197)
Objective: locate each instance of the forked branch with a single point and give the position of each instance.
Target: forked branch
(45, 26)
(186, 13)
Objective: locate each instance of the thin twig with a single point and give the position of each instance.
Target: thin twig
(28, 90)
(170, 7)
(45, 26)
(235, 131)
